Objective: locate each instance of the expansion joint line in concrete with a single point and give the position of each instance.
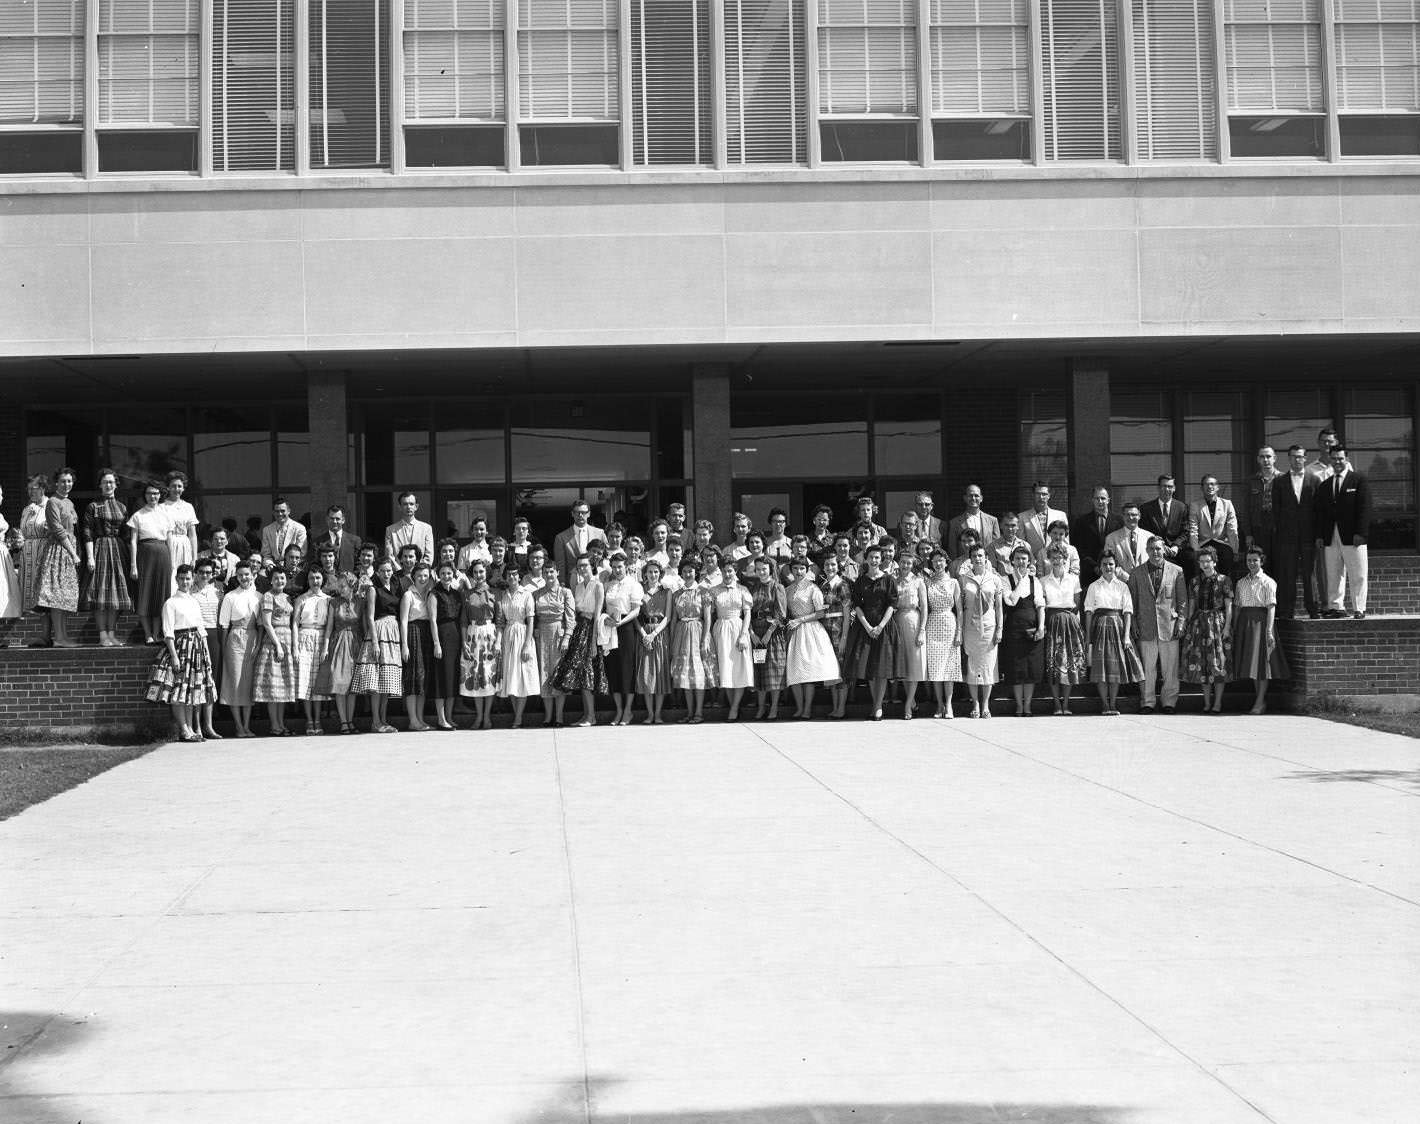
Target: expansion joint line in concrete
(576, 937)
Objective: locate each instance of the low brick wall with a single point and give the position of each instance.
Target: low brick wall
(1393, 584)
(98, 689)
(1376, 656)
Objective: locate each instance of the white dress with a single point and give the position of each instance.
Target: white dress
(811, 655)
(182, 517)
(521, 678)
(736, 665)
(10, 606)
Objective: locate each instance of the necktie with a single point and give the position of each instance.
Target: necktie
(1134, 546)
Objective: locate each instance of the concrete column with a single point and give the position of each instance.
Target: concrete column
(710, 429)
(330, 435)
(1089, 429)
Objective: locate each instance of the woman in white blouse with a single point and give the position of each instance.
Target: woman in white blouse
(182, 523)
(1065, 663)
(621, 602)
(182, 673)
(1109, 610)
(149, 561)
(1255, 654)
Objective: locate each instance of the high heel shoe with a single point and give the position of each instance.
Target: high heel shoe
(878, 715)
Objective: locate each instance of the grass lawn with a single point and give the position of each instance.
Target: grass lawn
(1340, 709)
(31, 775)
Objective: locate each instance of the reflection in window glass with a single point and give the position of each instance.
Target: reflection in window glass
(582, 440)
(1380, 439)
(1215, 443)
(242, 506)
(231, 447)
(907, 435)
(1045, 445)
(673, 445)
(1295, 417)
(1141, 443)
(468, 444)
(798, 436)
(55, 438)
(147, 443)
(758, 505)
(396, 444)
(293, 446)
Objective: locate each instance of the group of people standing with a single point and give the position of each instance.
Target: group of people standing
(1146, 595)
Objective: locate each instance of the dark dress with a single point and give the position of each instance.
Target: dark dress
(1022, 656)
(105, 522)
(871, 657)
(766, 625)
(448, 604)
(1205, 654)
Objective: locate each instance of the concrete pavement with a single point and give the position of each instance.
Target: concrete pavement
(1077, 921)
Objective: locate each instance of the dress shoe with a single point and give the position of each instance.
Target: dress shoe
(1146, 710)
(1335, 615)
(1314, 615)
(1168, 710)
(1360, 614)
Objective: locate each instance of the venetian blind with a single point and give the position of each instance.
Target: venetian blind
(1175, 91)
(1378, 55)
(567, 60)
(980, 58)
(148, 62)
(1273, 55)
(349, 75)
(765, 100)
(453, 60)
(1080, 73)
(671, 112)
(253, 85)
(867, 56)
(42, 62)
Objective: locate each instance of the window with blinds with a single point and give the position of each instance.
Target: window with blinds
(41, 86)
(147, 85)
(1275, 98)
(1378, 77)
(980, 79)
(253, 85)
(454, 82)
(1080, 76)
(867, 79)
(671, 111)
(568, 81)
(1175, 93)
(766, 110)
(348, 83)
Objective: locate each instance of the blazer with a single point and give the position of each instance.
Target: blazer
(1170, 606)
(1170, 525)
(990, 529)
(1085, 535)
(345, 554)
(226, 564)
(1293, 519)
(275, 540)
(564, 550)
(1222, 526)
(932, 532)
(1118, 541)
(1346, 508)
(1036, 531)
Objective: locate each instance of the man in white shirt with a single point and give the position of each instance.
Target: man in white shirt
(410, 531)
(279, 535)
(572, 543)
(1036, 521)
(987, 527)
(1129, 543)
(998, 553)
(777, 544)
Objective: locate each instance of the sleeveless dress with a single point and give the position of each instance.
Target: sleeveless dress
(554, 617)
(481, 658)
(274, 680)
(910, 660)
(766, 621)
(378, 671)
(733, 667)
(240, 615)
(1022, 656)
(811, 658)
(311, 613)
(58, 573)
(104, 523)
(943, 648)
(338, 669)
(871, 657)
(979, 598)
(11, 599)
(653, 664)
(689, 671)
(520, 677)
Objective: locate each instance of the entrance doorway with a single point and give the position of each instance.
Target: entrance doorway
(458, 510)
(756, 499)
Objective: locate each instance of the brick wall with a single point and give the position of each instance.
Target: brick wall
(98, 688)
(1393, 584)
(1377, 656)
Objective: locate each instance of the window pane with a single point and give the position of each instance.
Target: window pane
(581, 440)
(544, 145)
(1295, 417)
(674, 455)
(1140, 422)
(231, 447)
(1380, 136)
(396, 444)
(846, 141)
(463, 146)
(165, 151)
(469, 444)
(55, 438)
(241, 507)
(1277, 136)
(1044, 444)
(996, 139)
(1379, 416)
(1215, 442)
(798, 436)
(349, 73)
(293, 446)
(146, 443)
(907, 435)
(41, 153)
(758, 505)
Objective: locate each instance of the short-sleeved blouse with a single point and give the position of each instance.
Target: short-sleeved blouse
(1211, 595)
(209, 600)
(1060, 593)
(182, 516)
(1108, 593)
(238, 608)
(480, 605)
(623, 597)
(181, 612)
(150, 524)
(279, 606)
(1255, 593)
(312, 610)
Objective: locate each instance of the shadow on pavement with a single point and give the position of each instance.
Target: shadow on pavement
(25, 1035)
(1410, 777)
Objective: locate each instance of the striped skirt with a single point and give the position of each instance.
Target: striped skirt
(377, 671)
(188, 681)
(1112, 659)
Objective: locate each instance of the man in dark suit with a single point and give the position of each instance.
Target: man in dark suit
(1258, 523)
(1088, 532)
(1293, 540)
(1168, 518)
(347, 545)
(1342, 525)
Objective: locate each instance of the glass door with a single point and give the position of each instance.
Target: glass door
(458, 509)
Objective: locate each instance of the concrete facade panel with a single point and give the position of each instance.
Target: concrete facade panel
(406, 287)
(169, 216)
(881, 279)
(620, 283)
(183, 292)
(42, 220)
(1020, 206)
(1381, 272)
(1003, 281)
(813, 207)
(1380, 202)
(430, 213)
(1246, 278)
(44, 294)
(1219, 204)
(577, 211)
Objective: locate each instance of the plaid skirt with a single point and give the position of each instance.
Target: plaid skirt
(108, 588)
(771, 674)
(1064, 647)
(1112, 660)
(188, 682)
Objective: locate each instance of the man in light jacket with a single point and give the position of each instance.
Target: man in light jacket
(1160, 598)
